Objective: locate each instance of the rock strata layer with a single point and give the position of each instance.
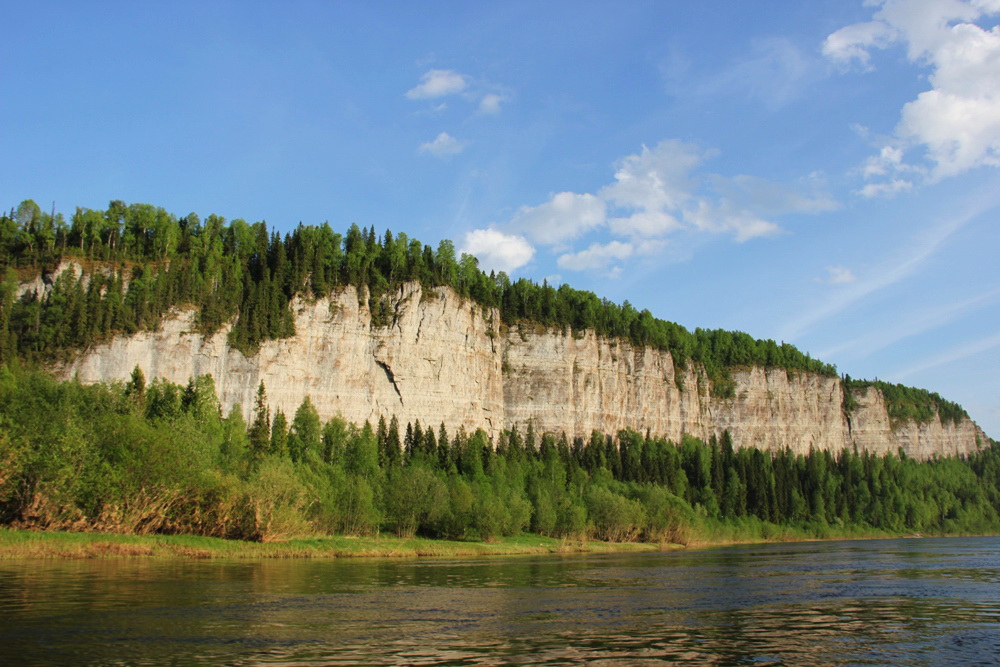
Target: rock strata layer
(445, 359)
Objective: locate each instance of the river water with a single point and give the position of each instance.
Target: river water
(900, 602)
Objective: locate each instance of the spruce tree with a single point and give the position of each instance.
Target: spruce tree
(259, 432)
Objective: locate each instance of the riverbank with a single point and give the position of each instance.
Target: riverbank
(24, 544)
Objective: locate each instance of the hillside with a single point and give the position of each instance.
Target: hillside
(442, 359)
(378, 326)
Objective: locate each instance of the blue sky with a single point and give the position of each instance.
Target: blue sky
(822, 173)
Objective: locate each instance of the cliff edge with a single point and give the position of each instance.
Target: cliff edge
(447, 359)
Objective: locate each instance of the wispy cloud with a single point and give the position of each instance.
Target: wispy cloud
(490, 104)
(903, 265)
(443, 145)
(438, 83)
(957, 353)
(597, 256)
(911, 324)
(838, 275)
(773, 73)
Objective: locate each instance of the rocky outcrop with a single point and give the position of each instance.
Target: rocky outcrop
(43, 282)
(445, 359)
(438, 362)
(870, 427)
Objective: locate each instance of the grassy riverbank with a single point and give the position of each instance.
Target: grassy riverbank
(22, 544)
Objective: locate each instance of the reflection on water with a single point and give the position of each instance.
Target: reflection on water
(906, 602)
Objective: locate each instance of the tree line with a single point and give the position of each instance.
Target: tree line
(906, 403)
(242, 270)
(140, 261)
(157, 457)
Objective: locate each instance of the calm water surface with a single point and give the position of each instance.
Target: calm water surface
(904, 602)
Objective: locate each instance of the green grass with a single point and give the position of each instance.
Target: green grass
(750, 530)
(15, 544)
(25, 544)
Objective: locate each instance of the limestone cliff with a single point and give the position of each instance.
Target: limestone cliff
(438, 361)
(445, 359)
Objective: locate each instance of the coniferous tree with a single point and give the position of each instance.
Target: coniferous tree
(306, 431)
(259, 433)
(279, 434)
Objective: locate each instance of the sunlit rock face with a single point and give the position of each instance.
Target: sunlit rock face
(444, 359)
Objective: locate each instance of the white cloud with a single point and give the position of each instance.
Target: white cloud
(725, 218)
(894, 174)
(597, 256)
(649, 247)
(661, 186)
(960, 132)
(490, 104)
(497, 251)
(890, 158)
(657, 178)
(839, 275)
(438, 83)
(565, 216)
(658, 192)
(854, 41)
(746, 226)
(955, 124)
(886, 189)
(443, 145)
(645, 224)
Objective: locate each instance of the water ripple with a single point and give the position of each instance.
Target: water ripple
(912, 602)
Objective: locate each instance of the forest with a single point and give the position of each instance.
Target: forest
(162, 458)
(141, 261)
(155, 457)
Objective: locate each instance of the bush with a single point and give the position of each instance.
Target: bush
(415, 499)
(614, 518)
(275, 502)
(667, 518)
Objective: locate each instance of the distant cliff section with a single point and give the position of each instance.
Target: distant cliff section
(433, 356)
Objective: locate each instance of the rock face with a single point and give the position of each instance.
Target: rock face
(445, 359)
(438, 362)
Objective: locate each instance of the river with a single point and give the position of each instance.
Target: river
(900, 602)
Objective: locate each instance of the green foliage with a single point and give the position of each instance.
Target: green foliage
(133, 263)
(614, 517)
(139, 261)
(907, 403)
(416, 498)
(155, 457)
(159, 458)
(305, 435)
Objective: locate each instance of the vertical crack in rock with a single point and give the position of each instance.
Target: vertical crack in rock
(392, 378)
(420, 325)
(396, 312)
